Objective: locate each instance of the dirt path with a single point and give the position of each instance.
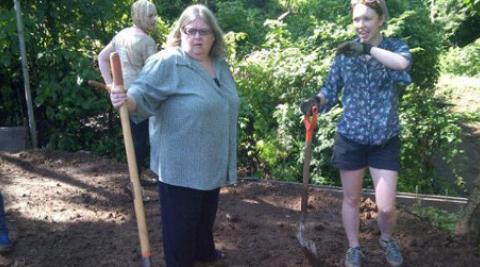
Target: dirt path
(71, 210)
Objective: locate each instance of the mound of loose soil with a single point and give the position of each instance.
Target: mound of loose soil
(71, 209)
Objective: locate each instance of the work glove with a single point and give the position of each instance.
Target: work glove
(307, 105)
(354, 49)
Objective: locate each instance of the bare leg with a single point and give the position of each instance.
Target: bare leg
(385, 182)
(352, 187)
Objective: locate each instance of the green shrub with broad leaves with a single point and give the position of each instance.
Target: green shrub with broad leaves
(462, 61)
(63, 39)
(291, 64)
(280, 52)
(429, 131)
(439, 218)
(11, 88)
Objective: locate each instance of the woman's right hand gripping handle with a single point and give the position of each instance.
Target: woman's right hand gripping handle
(117, 97)
(307, 105)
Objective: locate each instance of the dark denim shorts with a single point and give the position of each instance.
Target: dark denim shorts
(349, 155)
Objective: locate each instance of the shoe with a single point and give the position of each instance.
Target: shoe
(145, 198)
(218, 255)
(392, 252)
(353, 257)
(146, 180)
(5, 243)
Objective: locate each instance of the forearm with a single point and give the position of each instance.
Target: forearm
(104, 63)
(390, 59)
(131, 104)
(105, 71)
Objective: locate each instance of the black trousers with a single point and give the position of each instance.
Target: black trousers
(140, 142)
(3, 224)
(188, 216)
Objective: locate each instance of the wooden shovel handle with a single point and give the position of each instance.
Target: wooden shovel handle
(116, 69)
(132, 164)
(310, 123)
(98, 85)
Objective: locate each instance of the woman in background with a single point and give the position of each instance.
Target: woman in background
(134, 46)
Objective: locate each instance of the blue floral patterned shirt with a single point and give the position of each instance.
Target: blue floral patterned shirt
(370, 95)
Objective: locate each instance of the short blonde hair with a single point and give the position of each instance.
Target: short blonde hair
(190, 14)
(379, 6)
(140, 11)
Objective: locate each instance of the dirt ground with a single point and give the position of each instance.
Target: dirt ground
(70, 209)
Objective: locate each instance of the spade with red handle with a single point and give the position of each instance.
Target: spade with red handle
(308, 246)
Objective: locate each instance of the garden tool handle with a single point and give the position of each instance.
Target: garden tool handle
(310, 123)
(98, 85)
(132, 164)
(308, 246)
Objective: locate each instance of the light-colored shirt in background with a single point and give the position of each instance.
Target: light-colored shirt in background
(134, 49)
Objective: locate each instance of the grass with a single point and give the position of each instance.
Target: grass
(462, 92)
(439, 218)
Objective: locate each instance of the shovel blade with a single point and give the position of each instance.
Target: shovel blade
(308, 246)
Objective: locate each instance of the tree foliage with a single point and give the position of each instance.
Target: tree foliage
(291, 65)
(462, 61)
(63, 38)
(473, 5)
(280, 52)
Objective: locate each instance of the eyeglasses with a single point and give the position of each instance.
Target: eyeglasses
(194, 31)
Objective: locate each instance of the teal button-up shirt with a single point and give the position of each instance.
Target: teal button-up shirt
(193, 127)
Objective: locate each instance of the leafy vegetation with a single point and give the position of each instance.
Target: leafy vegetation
(439, 218)
(462, 61)
(280, 52)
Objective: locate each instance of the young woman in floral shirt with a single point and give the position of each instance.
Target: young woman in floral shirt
(368, 70)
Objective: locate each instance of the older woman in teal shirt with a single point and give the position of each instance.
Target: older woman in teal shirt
(189, 91)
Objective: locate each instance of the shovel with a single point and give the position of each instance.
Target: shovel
(132, 165)
(98, 85)
(308, 246)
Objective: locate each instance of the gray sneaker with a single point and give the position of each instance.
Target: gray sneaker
(392, 252)
(129, 189)
(353, 257)
(147, 180)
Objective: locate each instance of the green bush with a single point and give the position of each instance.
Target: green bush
(429, 130)
(423, 37)
(62, 41)
(439, 218)
(292, 64)
(462, 61)
(11, 86)
(271, 82)
(235, 16)
(276, 63)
